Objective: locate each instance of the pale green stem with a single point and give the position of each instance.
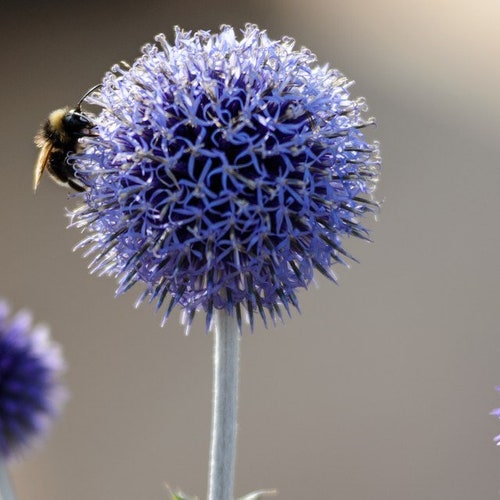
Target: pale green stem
(6, 492)
(224, 407)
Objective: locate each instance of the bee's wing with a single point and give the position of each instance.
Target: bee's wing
(41, 164)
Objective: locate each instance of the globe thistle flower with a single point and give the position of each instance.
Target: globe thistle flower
(224, 172)
(30, 391)
(496, 413)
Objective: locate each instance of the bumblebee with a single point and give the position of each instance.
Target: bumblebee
(59, 137)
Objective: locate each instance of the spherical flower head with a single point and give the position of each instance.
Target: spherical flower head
(31, 394)
(496, 413)
(223, 172)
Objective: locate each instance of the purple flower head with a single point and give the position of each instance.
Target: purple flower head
(224, 172)
(496, 413)
(31, 394)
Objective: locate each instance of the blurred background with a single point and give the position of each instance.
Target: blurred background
(382, 388)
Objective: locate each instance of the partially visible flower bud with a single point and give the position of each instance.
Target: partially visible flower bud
(31, 393)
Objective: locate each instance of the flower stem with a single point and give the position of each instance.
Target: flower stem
(6, 492)
(224, 407)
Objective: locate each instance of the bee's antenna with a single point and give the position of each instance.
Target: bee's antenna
(95, 87)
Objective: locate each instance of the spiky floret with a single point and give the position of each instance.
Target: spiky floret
(30, 389)
(225, 172)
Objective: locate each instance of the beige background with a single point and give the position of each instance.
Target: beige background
(381, 389)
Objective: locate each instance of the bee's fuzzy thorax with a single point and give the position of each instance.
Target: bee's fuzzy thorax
(58, 138)
(55, 125)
